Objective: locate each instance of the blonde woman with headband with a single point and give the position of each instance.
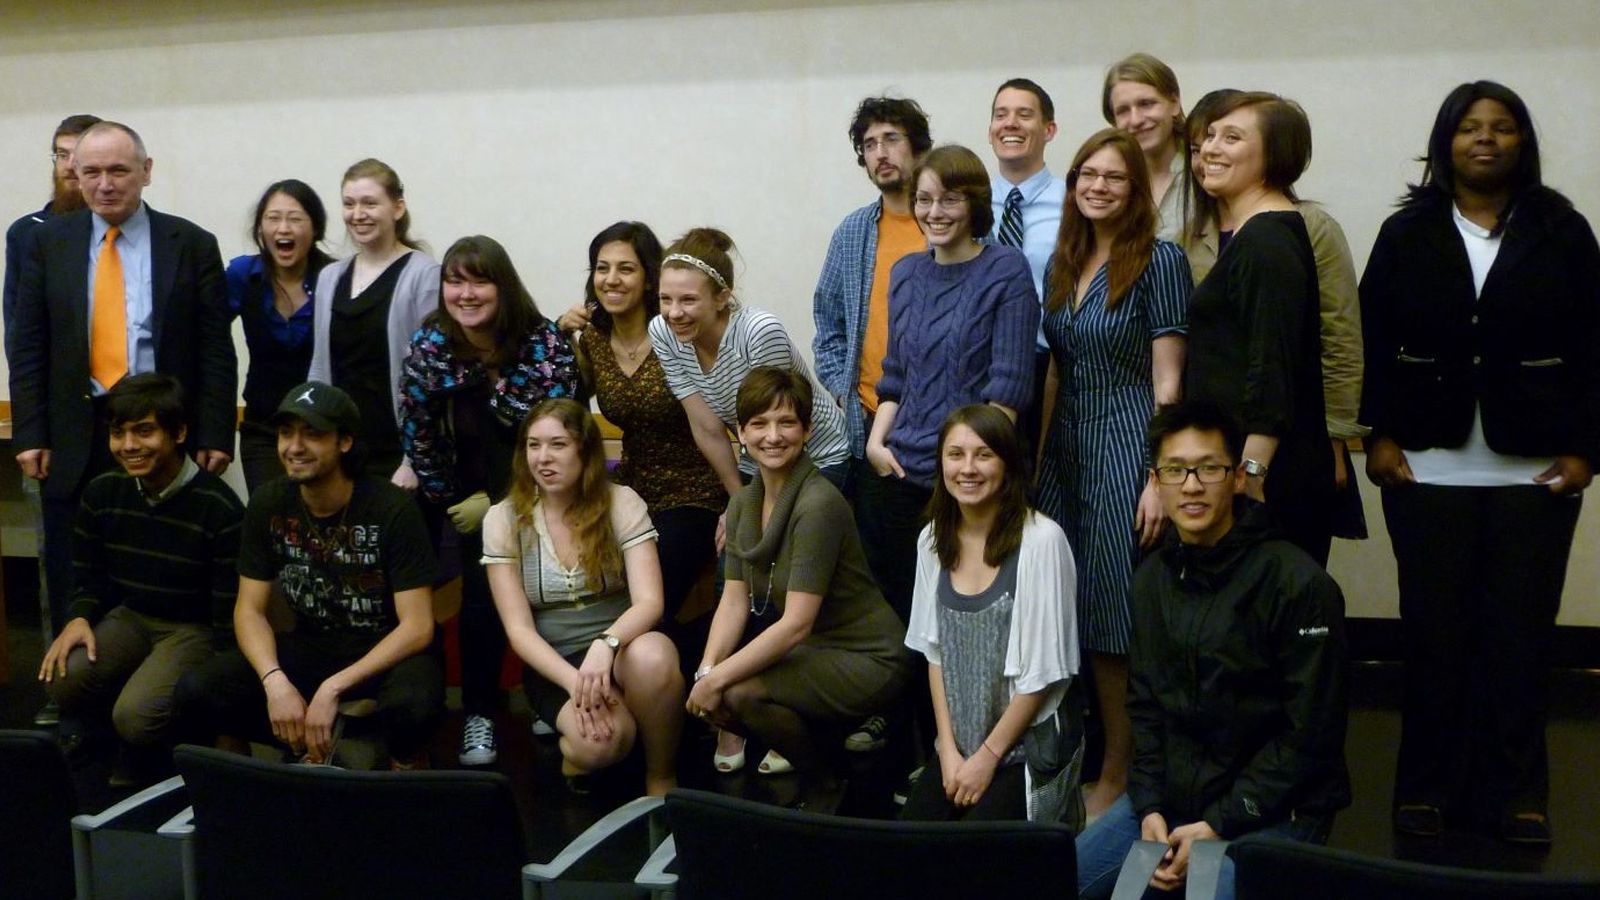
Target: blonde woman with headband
(374, 301)
(708, 342)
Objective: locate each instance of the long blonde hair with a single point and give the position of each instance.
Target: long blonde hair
(590, 514)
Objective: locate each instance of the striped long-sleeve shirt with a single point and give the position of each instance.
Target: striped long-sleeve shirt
(174, 559)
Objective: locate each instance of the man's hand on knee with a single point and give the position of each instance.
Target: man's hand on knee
(55, 659)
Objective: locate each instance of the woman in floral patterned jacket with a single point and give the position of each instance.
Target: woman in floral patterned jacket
(477, 365)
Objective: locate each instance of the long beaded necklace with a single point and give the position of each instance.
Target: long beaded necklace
(766, 603)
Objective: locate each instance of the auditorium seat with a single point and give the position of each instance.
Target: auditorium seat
(267, 830)
(36, 804)
(732, 848)
(1289, 870)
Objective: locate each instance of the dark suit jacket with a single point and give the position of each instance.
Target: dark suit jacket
(50, 404)
(1527, 350)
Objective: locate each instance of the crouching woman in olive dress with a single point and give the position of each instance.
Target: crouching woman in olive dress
(834, 655)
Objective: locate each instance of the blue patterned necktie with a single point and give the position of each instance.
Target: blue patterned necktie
(1011, 220)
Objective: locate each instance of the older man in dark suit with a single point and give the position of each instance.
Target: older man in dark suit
(112, 290)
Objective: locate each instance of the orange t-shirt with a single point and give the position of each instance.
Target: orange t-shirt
(897, 236)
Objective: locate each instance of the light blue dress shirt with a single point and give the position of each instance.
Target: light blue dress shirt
(1042, 196)
(133, 245)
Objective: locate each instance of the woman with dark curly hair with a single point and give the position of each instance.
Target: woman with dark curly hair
(660, 459)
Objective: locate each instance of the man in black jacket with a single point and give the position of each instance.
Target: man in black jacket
(1238, 670)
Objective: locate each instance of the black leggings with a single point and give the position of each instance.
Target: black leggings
(686, 542)
(1004, 800)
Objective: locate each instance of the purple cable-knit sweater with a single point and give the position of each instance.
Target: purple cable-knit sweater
(958, 334)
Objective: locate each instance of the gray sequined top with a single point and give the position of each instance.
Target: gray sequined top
(974, 630)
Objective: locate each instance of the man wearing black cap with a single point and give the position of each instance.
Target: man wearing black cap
(353, 557)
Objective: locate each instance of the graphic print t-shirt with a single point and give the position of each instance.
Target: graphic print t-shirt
(341, 573)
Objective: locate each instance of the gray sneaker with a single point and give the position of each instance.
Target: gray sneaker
(541, 728)
(477, 742)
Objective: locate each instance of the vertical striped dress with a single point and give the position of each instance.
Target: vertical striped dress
(1094, 458)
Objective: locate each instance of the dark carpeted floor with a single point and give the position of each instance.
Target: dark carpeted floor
(554, 815)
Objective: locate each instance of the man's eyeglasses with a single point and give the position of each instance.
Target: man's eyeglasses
(888, 141)
(1208, 473)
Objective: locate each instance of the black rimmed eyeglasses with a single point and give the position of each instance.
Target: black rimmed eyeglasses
(1208, 473)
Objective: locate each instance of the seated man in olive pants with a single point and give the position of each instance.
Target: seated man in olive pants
(154, 551)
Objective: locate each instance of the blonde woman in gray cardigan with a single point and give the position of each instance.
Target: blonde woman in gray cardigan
(375, 302)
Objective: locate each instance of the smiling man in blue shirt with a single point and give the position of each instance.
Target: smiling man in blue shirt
(1027, 200)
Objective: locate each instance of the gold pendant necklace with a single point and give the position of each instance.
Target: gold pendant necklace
(632, 354)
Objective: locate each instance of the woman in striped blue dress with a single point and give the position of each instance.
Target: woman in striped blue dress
(1115, 319)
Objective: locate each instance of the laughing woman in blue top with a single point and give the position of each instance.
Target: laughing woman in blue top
(272, 292)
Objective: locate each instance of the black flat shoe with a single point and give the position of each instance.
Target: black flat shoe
(1418, 820)
(1526, 828)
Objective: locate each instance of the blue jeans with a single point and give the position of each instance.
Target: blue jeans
(1104, 845)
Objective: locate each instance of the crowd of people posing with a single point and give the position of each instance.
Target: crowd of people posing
(1099, 418)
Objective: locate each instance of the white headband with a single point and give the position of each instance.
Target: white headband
(700, 264)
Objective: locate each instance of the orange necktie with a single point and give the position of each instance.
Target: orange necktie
(108, 331)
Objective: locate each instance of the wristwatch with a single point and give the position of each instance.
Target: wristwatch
(611, 640)
(1255, 468)
(701, 672)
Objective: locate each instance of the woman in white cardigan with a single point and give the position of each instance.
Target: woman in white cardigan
(993, 612)
(375, 302)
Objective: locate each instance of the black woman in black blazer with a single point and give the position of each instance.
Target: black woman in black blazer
(1524, 351)
(1481, 538)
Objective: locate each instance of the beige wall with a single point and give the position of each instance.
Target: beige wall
(540, 123)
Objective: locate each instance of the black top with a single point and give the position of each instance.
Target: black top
(1237, 682)
(484, 444)
(274, 367)
(358, 345)
(14, 237)
(1526, 351)
(174, 560)
(1255, 347)
(340, 573)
